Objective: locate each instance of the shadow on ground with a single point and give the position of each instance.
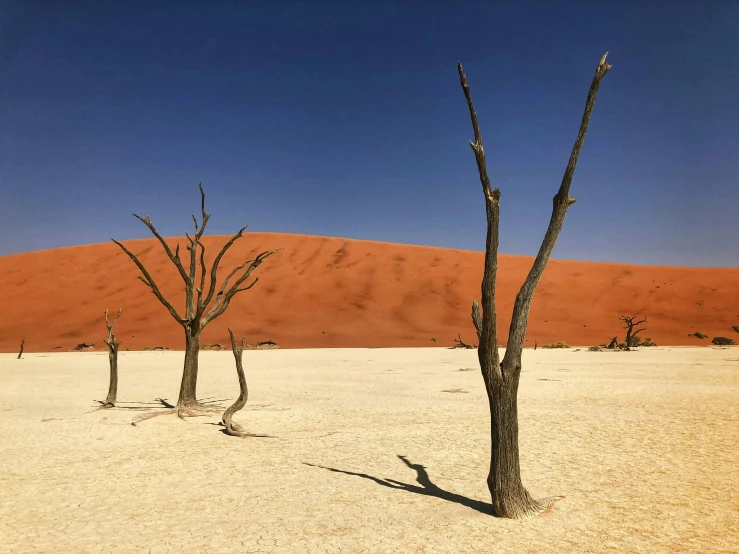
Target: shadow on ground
(427, 488)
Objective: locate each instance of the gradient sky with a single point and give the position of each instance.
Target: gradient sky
(347, 119)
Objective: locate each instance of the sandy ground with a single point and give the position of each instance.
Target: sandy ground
(323, 292)
(370, 450)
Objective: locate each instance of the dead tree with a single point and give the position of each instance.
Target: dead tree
(112, 344)
(509, 497)
(614, 343)
(198, 297)
(629, 322)
(23, 343)
(459, 343)
(234, 429)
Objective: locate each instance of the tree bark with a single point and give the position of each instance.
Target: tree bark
(110, 400)
(235, 429)
(188, 393)
(509, 497)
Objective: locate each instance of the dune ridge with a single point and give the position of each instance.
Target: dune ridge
(324, 292)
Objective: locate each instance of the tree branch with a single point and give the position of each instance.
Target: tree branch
(224, 298)
(111, 325)
(487, 333)
(477, 319)
(561, 202)
(212, 288)
(149, 282)
(175, 259)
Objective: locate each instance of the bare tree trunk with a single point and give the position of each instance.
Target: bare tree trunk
(112, 344)
(188, 396)
(23, 343)
(110, 400)
(509, 497)
(235, 429)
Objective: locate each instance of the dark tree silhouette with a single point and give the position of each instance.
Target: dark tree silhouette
(629, 322)
(510, 498)
(23, 344)
(198, 310)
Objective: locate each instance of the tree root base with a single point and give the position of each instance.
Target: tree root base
(182, 412)
(535, 508)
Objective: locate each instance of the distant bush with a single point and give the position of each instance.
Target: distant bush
(723, 341)
(647, 342)
(698, 334)
(433, 339)
(560, 344)
(735, 327)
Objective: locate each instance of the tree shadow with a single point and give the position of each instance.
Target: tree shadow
(427, 488)
(158, 403)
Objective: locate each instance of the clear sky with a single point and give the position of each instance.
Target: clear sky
(347, 119)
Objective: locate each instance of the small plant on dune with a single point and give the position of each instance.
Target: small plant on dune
(722, 341)
(433, 339)
(735, 328)
(699, 335)
(560, 344)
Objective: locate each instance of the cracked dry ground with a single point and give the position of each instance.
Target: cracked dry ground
(367, 453)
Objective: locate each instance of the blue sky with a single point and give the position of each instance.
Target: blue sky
(347, 119)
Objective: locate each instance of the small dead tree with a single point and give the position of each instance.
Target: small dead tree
(614, 343)
(629, 322)
(23, 344)
(459, 343)
(234, 429)
(198, 311)
(112, 344)
(509, 497)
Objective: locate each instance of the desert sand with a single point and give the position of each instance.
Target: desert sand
(329, 292)
(370, 450)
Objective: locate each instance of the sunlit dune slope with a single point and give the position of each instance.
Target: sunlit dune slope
(332, 292)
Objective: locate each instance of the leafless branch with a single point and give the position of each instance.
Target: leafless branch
(561, 202)
(175, 259)
(487, 333)
(477, 318)
(224, 298)
(214, 270)
(20, 354)
(148, 280)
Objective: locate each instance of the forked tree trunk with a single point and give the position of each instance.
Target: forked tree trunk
(188, 393)
(509, 497)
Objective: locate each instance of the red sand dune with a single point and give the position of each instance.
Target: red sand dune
(332, 292)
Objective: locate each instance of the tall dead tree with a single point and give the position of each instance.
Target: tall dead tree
(509, 497)
(112, 344)
(629, 322)
(235, 429)
(198, 297)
